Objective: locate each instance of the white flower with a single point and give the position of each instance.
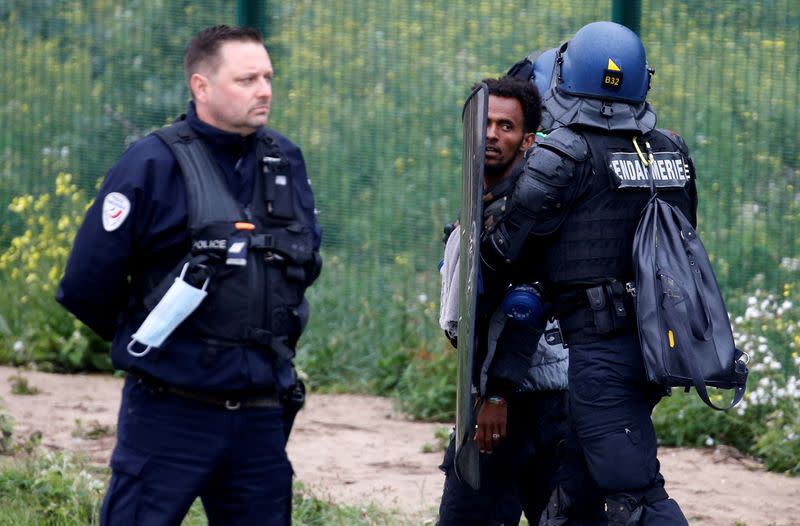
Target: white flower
(709, 441)
(18, 346)
(790, 263)
(751, 313)
(422, 298)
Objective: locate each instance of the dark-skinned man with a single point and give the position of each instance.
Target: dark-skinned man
(523, 411)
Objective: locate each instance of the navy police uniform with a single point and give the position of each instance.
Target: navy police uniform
(577, 205)
(519, 475)
(203, 414)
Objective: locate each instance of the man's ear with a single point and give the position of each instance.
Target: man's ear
(527, 141)
(198, 84)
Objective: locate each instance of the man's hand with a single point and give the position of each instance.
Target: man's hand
(492, 419)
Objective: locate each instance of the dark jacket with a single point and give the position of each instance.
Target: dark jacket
(103, 280)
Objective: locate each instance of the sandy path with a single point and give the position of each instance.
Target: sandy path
(356, 449)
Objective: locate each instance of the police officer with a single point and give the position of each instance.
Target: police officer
(523, 412)
(211, 216)
(538, 68)
(577, 205)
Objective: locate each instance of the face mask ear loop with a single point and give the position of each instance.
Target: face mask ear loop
(138, 354)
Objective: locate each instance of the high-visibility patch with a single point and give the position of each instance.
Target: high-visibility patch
(670, 170)
(116, 208)
(671, 339)
(612, 77)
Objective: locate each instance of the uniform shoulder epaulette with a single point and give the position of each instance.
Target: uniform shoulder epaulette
(675, 139)
(567, 142)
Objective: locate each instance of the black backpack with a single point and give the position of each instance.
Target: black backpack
(684, 329)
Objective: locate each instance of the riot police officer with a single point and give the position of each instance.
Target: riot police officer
(577, 206)
(194, 259)
(538, 68)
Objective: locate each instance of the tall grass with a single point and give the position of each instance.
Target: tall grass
(61, 490)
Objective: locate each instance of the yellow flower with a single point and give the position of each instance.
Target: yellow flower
(41, 202)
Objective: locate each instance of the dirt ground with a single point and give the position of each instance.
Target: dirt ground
(356, 450)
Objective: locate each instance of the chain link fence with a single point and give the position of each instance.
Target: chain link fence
(372, 92)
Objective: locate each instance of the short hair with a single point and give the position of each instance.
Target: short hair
(205, 46)
(525, 93)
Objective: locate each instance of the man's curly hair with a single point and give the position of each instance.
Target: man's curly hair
(525, 92)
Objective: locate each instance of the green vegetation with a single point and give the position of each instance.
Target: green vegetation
(767, 422)
(372, 92)
(20, 385)
(54, 489)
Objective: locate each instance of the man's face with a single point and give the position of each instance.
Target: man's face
(506, 140)
(237, 96)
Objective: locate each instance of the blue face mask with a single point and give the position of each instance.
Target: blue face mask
(175, 306)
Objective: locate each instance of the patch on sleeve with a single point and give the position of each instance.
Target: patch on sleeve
(116, 208)
(670, 170)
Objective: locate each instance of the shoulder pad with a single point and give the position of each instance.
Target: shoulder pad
(676, 139)
(567, 142)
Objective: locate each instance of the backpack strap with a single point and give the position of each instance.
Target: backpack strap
(674, 322)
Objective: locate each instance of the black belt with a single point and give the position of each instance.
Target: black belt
(596, 313)
(231, 402)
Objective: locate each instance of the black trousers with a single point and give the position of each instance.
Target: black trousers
(611, 438)
(519, 475)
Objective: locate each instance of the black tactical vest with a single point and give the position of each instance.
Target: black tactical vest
(258, 260)
(595, 240)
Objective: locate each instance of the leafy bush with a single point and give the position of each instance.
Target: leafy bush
(767, 422)
(33, 327)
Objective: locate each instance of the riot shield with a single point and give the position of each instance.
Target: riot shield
(474, 115)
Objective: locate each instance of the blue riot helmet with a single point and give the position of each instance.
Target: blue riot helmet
(542, 72)
(536, 67)
(604, 60)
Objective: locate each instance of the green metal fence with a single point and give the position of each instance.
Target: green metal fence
(372, 92)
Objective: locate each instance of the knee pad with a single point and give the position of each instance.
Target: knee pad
(625, 509)
(563, 510)
(555, 514)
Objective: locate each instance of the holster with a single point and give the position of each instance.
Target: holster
(595, 313)
(293, 400)
(607, 302)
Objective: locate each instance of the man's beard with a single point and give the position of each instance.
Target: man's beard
(496, 170)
